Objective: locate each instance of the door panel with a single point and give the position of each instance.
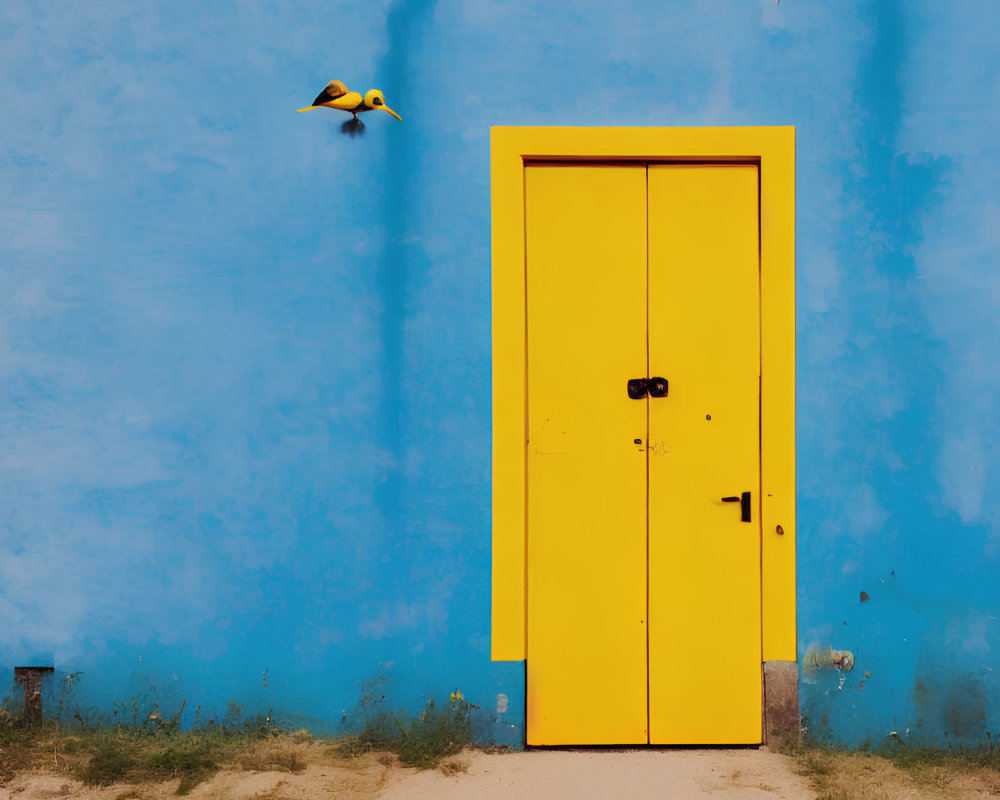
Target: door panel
(625, 515)
(586, 571)
(704, 563)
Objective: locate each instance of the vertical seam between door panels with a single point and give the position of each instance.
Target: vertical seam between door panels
(648, 731)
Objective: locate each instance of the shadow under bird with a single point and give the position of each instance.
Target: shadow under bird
(337, 95)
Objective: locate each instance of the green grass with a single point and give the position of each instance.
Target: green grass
(882, 772)
(437, 732)
(109, 762)
(191, 762)
(120, 760)
(961, 758)
(135, 743)
(123, 753)
(908, 757)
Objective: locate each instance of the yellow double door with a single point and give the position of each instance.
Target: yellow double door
(643, 551)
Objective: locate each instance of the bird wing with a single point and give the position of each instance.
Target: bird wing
(332, 91)
(352, 101)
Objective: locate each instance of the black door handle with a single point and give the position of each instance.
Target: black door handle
(744, 501)
(637, 388)
(657, 387)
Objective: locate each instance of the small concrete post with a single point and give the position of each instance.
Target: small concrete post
(31, 679)
(781, 703)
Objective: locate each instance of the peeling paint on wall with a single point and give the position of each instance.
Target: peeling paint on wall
(819, 657)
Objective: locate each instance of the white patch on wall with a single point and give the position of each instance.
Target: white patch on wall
(962, 483)
(952, 111)
(974, 634)
(865, 512)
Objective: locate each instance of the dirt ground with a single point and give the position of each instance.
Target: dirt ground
(547, 775)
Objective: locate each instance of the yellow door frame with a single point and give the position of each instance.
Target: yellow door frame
(773, 148)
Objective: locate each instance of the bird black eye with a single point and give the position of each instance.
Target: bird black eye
(376, 102)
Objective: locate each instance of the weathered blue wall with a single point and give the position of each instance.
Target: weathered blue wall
(245, 360)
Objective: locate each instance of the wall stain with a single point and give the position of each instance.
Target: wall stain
(952, 700)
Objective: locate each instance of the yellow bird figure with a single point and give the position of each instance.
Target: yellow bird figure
(337, 95)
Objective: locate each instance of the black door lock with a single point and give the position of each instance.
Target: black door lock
(639, 387)
(744, 501)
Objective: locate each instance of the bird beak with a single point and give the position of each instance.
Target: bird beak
(386, 108)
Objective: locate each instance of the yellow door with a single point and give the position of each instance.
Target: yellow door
(704, 562)
(643, 599)
(586, 301)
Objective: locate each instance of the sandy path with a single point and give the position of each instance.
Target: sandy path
(593, 775)
(535, 775)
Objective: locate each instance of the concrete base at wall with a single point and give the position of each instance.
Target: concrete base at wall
(781, 703)
(505, 712)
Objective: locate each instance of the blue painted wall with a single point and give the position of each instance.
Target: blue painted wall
(245, 360)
